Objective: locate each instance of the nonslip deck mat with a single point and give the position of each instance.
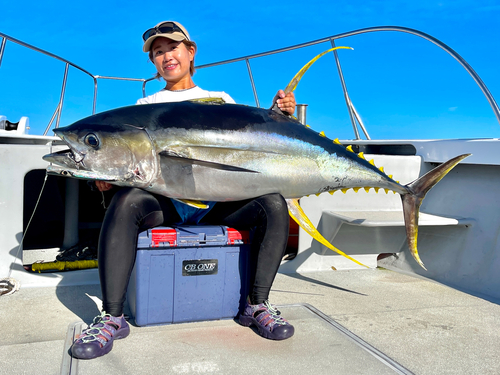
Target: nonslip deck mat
(320, 346)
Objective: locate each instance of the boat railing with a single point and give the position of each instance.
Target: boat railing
(353, 114)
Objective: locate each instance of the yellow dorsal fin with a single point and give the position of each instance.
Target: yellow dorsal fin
(336, 140)
(367, 189)
(349, 148)
(344, 190)
(300, 217)
(322, 134)
(361, 155)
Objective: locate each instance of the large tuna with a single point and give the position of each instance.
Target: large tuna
(193, 151)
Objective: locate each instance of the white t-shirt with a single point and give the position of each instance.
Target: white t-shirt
(166, 96)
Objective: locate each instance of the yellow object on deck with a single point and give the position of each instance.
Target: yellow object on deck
(64, 266)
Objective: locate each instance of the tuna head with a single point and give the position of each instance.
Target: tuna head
(120, 154)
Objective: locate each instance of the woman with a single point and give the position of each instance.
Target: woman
(134, 210)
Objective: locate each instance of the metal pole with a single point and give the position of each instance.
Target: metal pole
(360, 122)
(71, 213)
(253, 83)
(301, 113)
(51, 120)
(344, 88)
(144, 85)
(2, 48)
(95, 95)
(62, 95)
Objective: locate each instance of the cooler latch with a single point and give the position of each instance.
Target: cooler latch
(236, 237)
(166, 237)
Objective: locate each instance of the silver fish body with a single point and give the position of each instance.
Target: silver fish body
(199, 151)
(213, 152)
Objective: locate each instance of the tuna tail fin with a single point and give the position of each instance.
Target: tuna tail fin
(416, 193)
(300, 217)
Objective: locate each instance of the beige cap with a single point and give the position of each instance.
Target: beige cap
(166, 29)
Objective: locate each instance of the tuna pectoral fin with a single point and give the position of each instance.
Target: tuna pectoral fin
(192, 203)
(182, 160)
(416, 193)
(300, 217)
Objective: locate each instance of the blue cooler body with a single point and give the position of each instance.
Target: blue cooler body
(188, 273)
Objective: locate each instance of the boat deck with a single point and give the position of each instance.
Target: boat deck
(394, 323)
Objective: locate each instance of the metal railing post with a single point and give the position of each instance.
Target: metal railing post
(95, 96)
(344, 89)
(2, 48)
(63, 90)
(51, 121)
(253, 83)
(301, 113)
(360, 122)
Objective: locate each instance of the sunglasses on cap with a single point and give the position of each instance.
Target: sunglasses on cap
(164, 28)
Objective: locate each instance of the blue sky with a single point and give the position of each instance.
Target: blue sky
(402, 86)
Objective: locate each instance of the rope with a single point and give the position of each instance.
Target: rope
(8, 280)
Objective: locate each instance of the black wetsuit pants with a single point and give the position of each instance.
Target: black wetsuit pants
(133, 210)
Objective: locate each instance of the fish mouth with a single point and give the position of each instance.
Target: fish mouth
(66, 158)
(56, 170)
(70, 164)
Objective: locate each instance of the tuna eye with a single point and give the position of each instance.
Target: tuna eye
(92, 140)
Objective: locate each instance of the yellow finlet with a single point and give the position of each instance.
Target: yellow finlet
(372, 162)
(300, 217)
(336, 140)
(308, 126)
(332, 191)
(390, 176)
(386, 191)
(322, 134)
(381, 169)
(318, 194)
(376, 189)
(349, 148)
(367, 189)
(356, 189)
(344, 190)
(362, 156)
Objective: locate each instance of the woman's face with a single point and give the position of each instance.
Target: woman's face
(172, 59)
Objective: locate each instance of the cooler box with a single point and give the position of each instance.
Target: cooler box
(189, 273)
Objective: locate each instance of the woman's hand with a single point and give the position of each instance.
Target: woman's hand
(103, 185)
(285, 102)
